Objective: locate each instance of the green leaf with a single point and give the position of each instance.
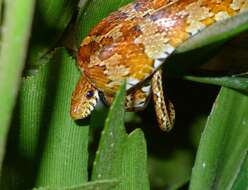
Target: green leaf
(217, 32)
(239, 83)
(15, 33)
(134, 163)
(64, 155)
(120, 155)
(242, 178)
(110, 150)
(47, 147)
(101, 184)
(224, 143)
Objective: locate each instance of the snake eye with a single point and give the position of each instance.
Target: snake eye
(90, 94)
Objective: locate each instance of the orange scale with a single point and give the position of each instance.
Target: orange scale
(131, 49)
(174, 41)
(223, 7)
(137, 76)
(100, 80)
(178, 34)
(139, 64)
(208, 21)
(84, 54)
(209, 3)
(159, 3)
(108, 23)
(129, 34)
(104, 87)
(144, 68)
(102, 28)
(177, 7)
(106, 41)
(96, 75)
(147, 70)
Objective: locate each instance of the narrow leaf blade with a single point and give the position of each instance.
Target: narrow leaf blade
(134, 163)
(46, 146)
(239, 83)
(242, 178)
(224, 143)
(109, 155)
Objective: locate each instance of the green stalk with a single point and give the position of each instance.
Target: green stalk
(15, 35)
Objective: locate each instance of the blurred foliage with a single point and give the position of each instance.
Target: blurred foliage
(51, 20)
(47, 150)
(15, 32)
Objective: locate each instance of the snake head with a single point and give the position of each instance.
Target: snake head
(84, 99)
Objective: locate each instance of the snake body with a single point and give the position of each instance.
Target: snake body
(132, 43)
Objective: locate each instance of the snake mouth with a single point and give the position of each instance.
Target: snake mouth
(84, 99)
(81, 113)
(82, 109)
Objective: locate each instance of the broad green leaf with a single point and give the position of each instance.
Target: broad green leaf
(224, 143)
(65, 155)
(100, 184)
(50, 22)
(46, 145)
(92, 12)
(110, 150)
(217, 32)
(15, 33)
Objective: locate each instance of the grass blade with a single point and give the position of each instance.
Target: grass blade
(224, 143)
(242, 178)
(239, 83)
(120, 155)
(134, 163)
(109, 154)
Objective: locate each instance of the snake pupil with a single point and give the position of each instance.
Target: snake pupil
(90, 93)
